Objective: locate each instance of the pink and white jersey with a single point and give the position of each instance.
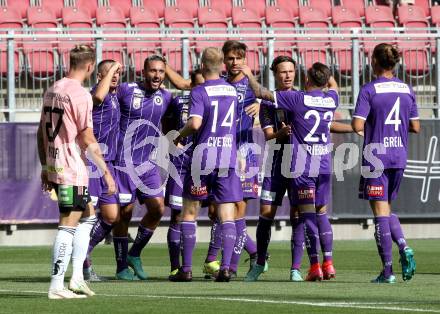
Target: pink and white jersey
(67, 111)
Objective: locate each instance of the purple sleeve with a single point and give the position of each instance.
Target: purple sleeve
(334, 94)
(362, 105)
(414, 112)
(286, 99)
(197, 106)
(265, 115)
(122, 90)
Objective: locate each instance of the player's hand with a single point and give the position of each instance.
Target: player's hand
(360, 133)
(246, 70)
(285, 130)
(110, 182)
(46, 185)
(253, 109)
(116, 66)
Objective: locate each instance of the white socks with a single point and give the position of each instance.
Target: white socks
(62, 250)
(80, 245)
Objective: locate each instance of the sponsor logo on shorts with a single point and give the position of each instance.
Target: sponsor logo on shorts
(375, 190)
(268, 195)
(199, 190)
(306, 194)
(249, 187)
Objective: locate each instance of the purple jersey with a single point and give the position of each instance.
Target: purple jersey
(215, 101)
(311, 114)
(178, 115)
(141, 114)
(106, 118)
(387, 105)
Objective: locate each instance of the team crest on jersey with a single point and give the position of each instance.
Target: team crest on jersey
(375, 190)
(137, 102)
(158, 101)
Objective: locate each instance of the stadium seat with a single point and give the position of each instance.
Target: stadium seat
(248, 21)
(345, 19)
(289, 5)
(10, 18)
(177, 17)
(323, 5)
(435, 15)
(211, 21)
(40, 54)
(20, 6)
(157, 5)
(356, 5)
(313, 50)
(138, 49)
(124, 5)
(89, 5)
(378, 17)
(55, 5)
(189, 5)
(222, 5)
(258, 6)
(414, 52)
(424, 5)
(277, 17)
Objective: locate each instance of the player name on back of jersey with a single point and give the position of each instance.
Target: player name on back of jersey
(319, 149)
(220, 141)
(391, 87)
(392, 141)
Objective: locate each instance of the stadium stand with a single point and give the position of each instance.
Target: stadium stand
(20, 6)
(357, 6)
(287, 5)
(90, 5)
(211, 21)
(323, 5)
(225, 6)
(10, 18)
(189, 5)
(124, 5)
(380, 19)
(276, 17)
(54, 5)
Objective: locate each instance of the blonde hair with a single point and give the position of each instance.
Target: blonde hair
(80, 55)
(212, 59)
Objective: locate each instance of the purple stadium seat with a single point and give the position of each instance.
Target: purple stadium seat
(124, 5)
(20, 6)
(313, 49)
(40, 55)
(223, 5)
(379, 16)
(414, 52)
(324, 5)
(90, 5)
(356, 5)
(55, 5)
(291, 6)
(211, 21)
(277, 17)
(9, 18)
(345, 19)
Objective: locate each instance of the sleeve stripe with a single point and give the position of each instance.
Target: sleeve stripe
(267, 126)
(414, 118)
(195, 115)
(360, 117)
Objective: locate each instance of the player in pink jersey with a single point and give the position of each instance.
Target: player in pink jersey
(64, 135)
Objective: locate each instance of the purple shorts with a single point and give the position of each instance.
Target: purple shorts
(220, 187)
(383, 188)
(98, 189)
(174, 191)
(149, 185)
(310, 190)
(250, 185)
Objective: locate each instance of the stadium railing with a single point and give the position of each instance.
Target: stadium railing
(31, 59)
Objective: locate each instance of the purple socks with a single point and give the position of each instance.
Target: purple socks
(297, 242)
(263, 238)
(240, 225)
(215, 243)
(384, 243)
(188, 229)
(99, 231)
(325, 236)
(229, 237)
(311, 236)
(173, 240)
(121, 248)
(397, 233)
(142, 238)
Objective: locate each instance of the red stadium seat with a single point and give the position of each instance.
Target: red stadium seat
(346, 20)
(10, 18)
(289, 5)
(222, 5)
(189, 5)
(212, 21)
(313, 50)
(378, 17)
(324, 5)
(277, 17)
(157, 5)
(424, 5)
(124, 5)
(20, 6)
(356, 5)
(55, 5)
(258, 6)
(89, 5)
(435, 15)
(178, 17)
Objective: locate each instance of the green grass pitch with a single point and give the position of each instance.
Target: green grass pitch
(24, 280)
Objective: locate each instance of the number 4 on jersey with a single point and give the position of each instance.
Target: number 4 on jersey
(227, 121)
(393, 117)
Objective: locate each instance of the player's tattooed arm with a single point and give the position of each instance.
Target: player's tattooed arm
(260, 91)
(176, 79)
(103, 86)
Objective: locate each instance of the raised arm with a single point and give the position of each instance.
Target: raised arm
(176, 79)
(103, 86)
(332, 83)
(260, 91)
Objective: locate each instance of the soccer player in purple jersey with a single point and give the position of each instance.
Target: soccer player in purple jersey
(212, 116)
(234, 57)
(106, 130)
(386, 111)
(138, 160)
(175, 119)
(311, 114)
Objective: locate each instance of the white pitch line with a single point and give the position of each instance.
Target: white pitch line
(353, 305)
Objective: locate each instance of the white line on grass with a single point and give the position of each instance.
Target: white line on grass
(353, 305)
